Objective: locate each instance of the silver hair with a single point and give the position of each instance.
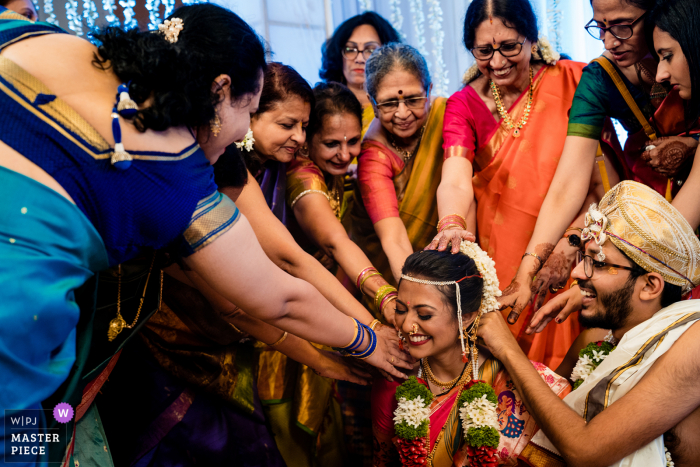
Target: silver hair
(394, 56)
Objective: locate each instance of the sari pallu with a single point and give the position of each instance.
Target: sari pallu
(415, 188)
(511, 179)
(516, 426)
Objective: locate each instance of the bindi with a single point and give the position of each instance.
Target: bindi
(400, 92)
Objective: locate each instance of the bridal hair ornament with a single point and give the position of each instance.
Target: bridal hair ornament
(171, 29)
(545, 52)
(248, 141)
(491, 290)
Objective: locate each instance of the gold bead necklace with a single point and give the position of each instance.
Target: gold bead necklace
(504, 113)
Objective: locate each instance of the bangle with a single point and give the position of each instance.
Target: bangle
(362, 273)
(447, 225)
(371, 347)
(573, 283)
(280, 340)
(452, 219)
(535, 256)
(374, 323)
(382, 292)
(353, 343)
(390, 297)
(364, 279)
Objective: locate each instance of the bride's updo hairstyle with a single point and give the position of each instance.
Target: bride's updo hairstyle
(176, 78)
(443, 266)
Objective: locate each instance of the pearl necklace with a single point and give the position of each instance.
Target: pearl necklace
(504, 113)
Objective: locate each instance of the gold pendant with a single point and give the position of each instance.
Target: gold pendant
(116, 326)
(516, 133)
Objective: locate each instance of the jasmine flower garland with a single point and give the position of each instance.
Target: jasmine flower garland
(247, 142)
(412, 421)
(478, 412)
(589, 358)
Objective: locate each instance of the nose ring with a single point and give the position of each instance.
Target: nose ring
(503, 62)
(615, 44)
(414, 331)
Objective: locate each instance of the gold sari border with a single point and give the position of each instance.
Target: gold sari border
(535, 456)
(214, 215)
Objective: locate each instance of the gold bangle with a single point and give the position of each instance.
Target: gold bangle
(357, 329)
(374, 323)
(280, 340)
(364, 279)
(389, 300)
(573, 283)
(382, 292)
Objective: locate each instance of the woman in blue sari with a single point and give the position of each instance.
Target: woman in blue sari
(88, 182)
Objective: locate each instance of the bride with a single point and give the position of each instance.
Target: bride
(460, 407)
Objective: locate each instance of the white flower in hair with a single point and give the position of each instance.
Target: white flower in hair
(247, 142)
(171, 29)
(487, 269)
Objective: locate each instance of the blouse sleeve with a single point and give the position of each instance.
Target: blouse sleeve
(214, 215)
(590, 106)
(375, 174)
(304, 178)
(458, 128)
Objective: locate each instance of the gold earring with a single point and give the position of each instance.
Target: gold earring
(215, 125)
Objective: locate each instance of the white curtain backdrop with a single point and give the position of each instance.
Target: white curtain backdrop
(296, 29)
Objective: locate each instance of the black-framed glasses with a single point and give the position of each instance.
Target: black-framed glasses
(351, 52)
(507, 49)
(589, 265)
(412, 103)
(619, 31)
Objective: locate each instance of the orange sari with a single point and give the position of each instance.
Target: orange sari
(511, 179)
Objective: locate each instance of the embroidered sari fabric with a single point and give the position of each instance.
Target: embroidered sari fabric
(511, 179)
(304, 178)
(516, 425)
(390, 188)
(597, 98)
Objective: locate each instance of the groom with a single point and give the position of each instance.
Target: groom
(641, 258)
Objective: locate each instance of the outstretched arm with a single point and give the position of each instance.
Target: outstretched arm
(280, 247)
(686, 201)
(665, 396)
(395, 243)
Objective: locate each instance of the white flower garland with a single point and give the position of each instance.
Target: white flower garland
(365, 5)
(90, 14)
(487, 269)
(479, 413)
(555, 14)
(75, 24)
(584, 367)
(247, 142)
(396, 18)
(440, 72)
(669, 461)
(153, 7)
(129, 13)
(50, 15)
(413, 412)
(418, 25)
(109, 7)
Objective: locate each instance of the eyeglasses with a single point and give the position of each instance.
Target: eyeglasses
(589, 264)
(351, 52)
(619, 31)
(411, 103)
(508, 49)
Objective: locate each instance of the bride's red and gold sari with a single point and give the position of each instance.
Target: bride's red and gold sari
(447, 447)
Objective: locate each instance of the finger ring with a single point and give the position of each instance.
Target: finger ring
(392, 359)
(651, 147)
(553, 289)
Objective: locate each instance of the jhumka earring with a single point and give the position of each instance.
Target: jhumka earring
(398, 333)
(215, 125)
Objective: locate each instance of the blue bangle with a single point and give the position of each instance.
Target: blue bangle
(357, 342)
(371, 347)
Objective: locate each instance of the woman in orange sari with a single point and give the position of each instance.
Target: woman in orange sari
(395, 212)
(504, 132)
(441, 299)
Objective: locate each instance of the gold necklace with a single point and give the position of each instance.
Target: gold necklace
(657, 90)
(405, 153)
(431, 377)
(504, 113)
(118, 324)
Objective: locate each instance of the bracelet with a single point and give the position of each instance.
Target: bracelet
(390, 297)
(382, 292)
(573, 283)
(454, 219)
(450, 224)
(374, 323)
(362, 273)
(353, 342)
(280, 340)
(364, 279)
(534, 255)
(371, 347)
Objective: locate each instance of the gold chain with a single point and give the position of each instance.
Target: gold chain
(118, 324)
(431, 376)
(504, 113)
(405, 153)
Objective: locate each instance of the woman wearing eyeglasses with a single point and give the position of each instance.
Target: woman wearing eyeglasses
(650, 111)
(395, 211)
(347, 51)
(504, 132)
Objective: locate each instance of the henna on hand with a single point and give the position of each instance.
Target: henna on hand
(669, 154)
(511, 289)
(543, 250)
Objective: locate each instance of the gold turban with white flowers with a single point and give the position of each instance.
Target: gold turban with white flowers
(643, 225)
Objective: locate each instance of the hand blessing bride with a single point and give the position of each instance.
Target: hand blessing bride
(450, 236)
(555, 272)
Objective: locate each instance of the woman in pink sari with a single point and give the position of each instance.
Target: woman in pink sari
(441, 296)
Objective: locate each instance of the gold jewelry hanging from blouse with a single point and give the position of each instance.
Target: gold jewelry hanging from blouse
(117, 325)
(507, 119)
